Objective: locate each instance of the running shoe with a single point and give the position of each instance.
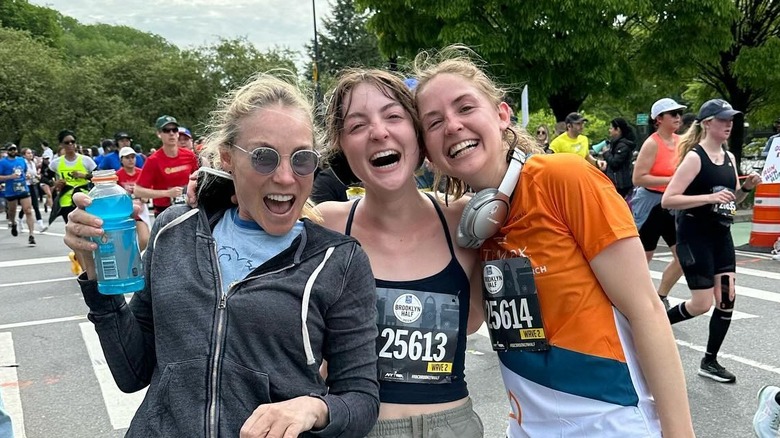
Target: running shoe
(31, 240)
(42, 227)
(14, 231)
(715, 371)
(21, 224)
(766, 422)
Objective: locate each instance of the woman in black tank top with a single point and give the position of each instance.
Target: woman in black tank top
(423, 281)
(705, 191)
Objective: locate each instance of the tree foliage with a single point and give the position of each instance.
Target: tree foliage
(28, 70)
(344, 42)
(41, 22)
(230, 62)
(98, 79)
(564, 50)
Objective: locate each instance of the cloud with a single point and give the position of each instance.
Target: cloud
(188, 23)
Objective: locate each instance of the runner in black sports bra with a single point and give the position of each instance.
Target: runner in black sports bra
(422, 332)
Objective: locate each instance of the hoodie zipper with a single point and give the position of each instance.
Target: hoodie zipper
(216, 361)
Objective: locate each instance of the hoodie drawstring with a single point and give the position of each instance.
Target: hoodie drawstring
(305, 307)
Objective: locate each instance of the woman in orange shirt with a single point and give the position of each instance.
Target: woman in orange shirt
(653, 170)
(564, 281)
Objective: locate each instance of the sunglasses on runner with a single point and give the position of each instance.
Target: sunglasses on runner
(265, 160)
(170, 130)
(674, 113)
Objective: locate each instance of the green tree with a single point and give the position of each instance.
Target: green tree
(345, 41)
(28, 71)
(565, 51)
(230, 62)
(40, 21)
(103, 40)
(743, 73)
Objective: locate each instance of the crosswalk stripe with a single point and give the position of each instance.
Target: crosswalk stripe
(740, 270)
(9, 384)
(120, 406)
(33, 262)
(741, 290)
(41, 322)
(721, 355)
(27, 283)
(736, 314)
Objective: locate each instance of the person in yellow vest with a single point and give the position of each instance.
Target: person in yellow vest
(73, 174)
(572, 141)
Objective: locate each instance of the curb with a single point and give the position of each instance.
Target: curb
(743, 216)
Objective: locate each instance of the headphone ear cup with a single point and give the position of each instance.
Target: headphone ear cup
(478, 221)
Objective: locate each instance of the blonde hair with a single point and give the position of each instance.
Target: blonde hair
(462, 61)
(391, 85)
(262, 90)
(689, 140)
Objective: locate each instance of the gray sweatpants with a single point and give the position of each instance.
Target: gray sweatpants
(461, 422)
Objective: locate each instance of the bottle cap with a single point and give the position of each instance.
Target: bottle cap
(102, 176)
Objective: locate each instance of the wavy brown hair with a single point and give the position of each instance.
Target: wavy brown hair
(461, 61)
(339, 101)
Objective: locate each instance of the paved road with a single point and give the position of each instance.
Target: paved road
(60, 385)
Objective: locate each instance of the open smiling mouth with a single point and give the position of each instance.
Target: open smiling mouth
(384, 158)
(462, 147)
(279, 204)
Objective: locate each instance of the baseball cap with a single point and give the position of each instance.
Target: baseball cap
(718, 108)
(664, 105)
(185, 131)
(575, 118)
(125, 151)
(122, 134)
(9, 146)
(165, 120)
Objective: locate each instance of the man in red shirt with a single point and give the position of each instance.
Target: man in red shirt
(167, 171)
(127, 176)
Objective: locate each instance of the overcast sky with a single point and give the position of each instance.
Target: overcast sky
(188, 23)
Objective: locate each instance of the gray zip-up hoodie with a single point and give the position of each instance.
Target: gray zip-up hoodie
(210, 357)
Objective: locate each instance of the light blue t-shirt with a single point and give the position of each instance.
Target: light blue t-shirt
(242, 246)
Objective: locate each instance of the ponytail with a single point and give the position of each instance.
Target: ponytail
(689, 140)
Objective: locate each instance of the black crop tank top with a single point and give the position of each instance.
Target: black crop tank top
(422, 332)
(712, 178)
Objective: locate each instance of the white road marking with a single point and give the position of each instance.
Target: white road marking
(120, 406)
(9, 384)
(741, 290)
(42, 322)
(33, 262)
(754, 255)
(734, 316)
(51, 280)
(45, 233)
(740, 270)
(742, 360)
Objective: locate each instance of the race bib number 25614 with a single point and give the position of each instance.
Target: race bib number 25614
(512, 310)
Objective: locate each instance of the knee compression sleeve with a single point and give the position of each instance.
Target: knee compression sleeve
(726, 303)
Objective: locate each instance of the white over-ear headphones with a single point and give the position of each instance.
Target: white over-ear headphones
(487, 210)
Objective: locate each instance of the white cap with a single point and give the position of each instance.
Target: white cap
(125, 151)
(664, 105)
(48, 153)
